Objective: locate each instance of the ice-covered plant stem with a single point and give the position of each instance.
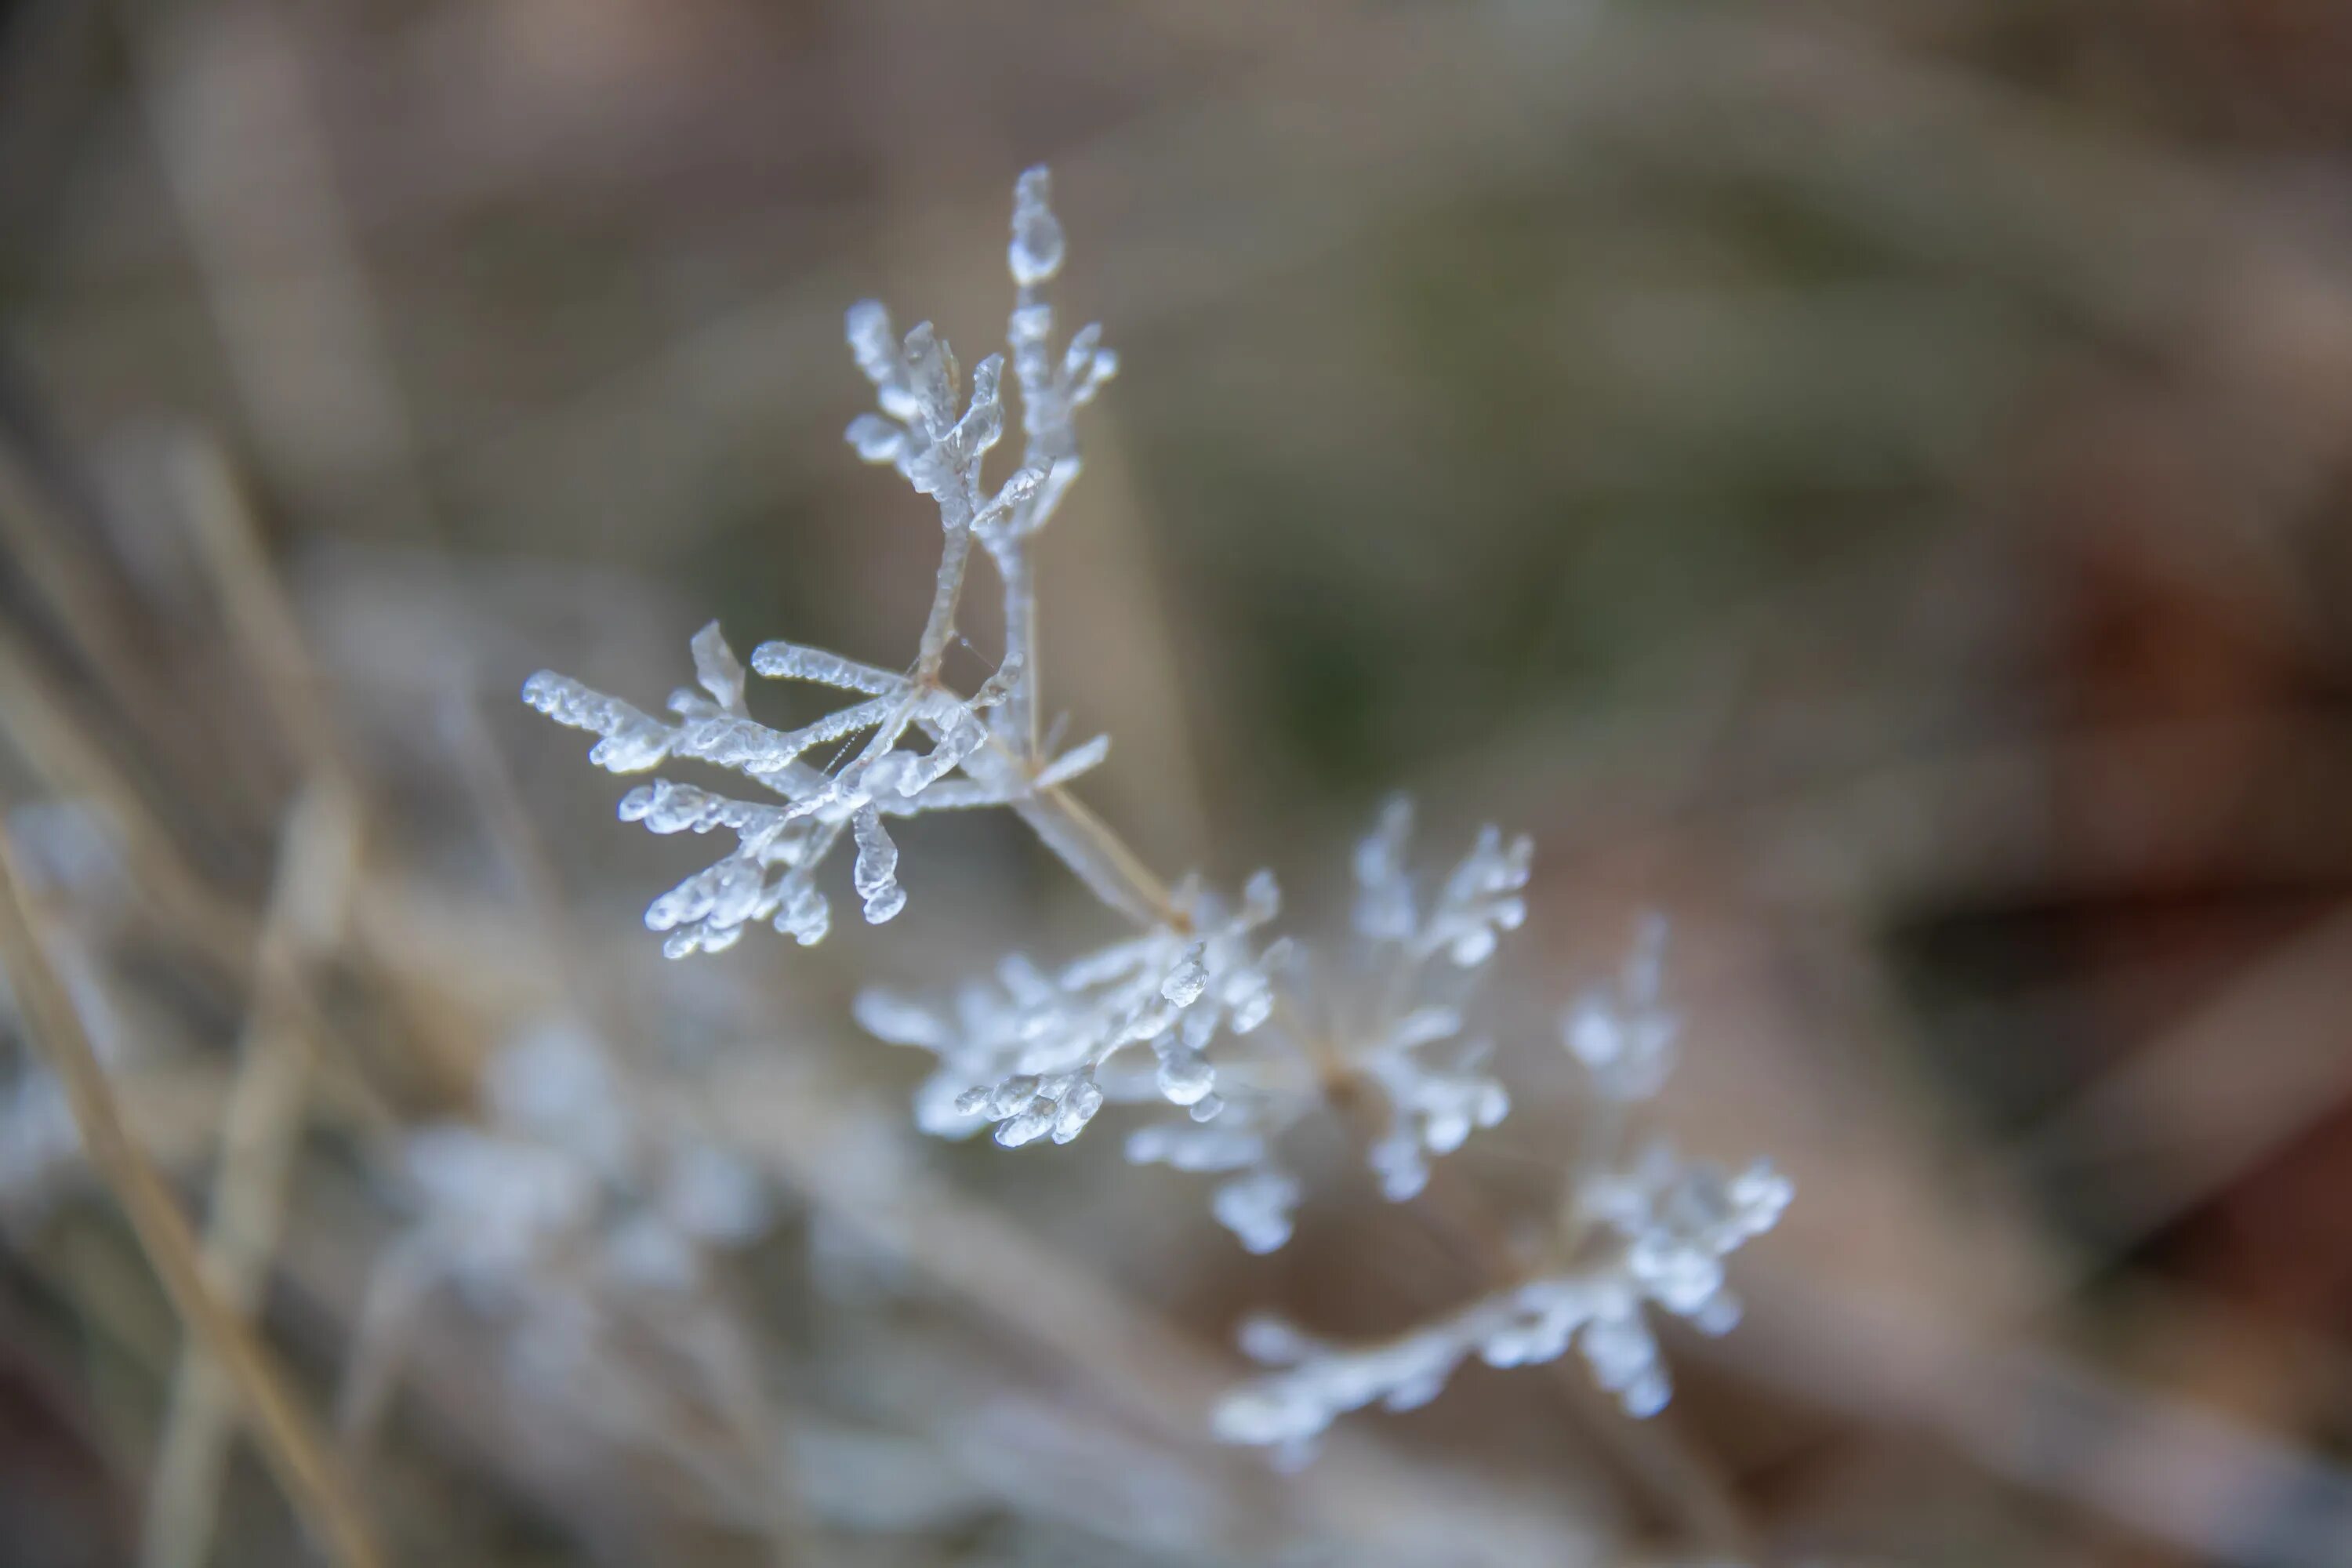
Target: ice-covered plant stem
(1200, 1009)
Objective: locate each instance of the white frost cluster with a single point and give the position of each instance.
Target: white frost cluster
(1029, 1052)
(562, 1190)
(1431, 1108)
(770, 873)
(1623, 1034)
(1242, 1033)
(1478, 903)
(1664, 1226)
(906, 743)
(1034, 1052)
(1458, 925)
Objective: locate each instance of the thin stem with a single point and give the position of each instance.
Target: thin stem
(938, 629)
(1101, 858)
(300, 1461)
(398, 1282)
(1095, 854)
(1024, 707)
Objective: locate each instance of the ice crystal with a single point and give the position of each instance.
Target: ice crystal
(560, 1173)
(1377, 1026)
(1477, 904)
(770, 873)
(1403, 928)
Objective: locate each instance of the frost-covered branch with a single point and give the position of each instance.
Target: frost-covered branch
(780, 845)
(1672, 1225)
(982, 749)
(1200, 1008)
(1051, 392)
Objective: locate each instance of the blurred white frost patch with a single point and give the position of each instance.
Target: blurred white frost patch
(70, 854)
(567, 1193)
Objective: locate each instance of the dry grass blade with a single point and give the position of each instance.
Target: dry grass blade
(288, 1439)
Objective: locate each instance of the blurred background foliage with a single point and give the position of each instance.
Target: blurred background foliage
(1870, 479)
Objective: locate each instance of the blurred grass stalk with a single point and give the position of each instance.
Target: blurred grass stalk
(292, 1445)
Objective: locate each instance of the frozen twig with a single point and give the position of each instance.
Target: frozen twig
(1200, 1008)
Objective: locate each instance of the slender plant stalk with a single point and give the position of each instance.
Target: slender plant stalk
(255, 609)
(289, 1442)
(319, 861)
(1101, 858)
(1020, 641)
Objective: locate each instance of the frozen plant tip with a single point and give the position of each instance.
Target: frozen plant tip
(1235, 1034)
(904, 743)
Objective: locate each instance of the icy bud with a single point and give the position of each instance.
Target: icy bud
(1077, 1108)
(1257, 1208)
(632, 740)
(805, 917)
(1184, 1076)
(876, 440)
(1384, 901)
(1190, 977)
(1036, 253)
(717, 667)
(876, 872)
(1273, 1341)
